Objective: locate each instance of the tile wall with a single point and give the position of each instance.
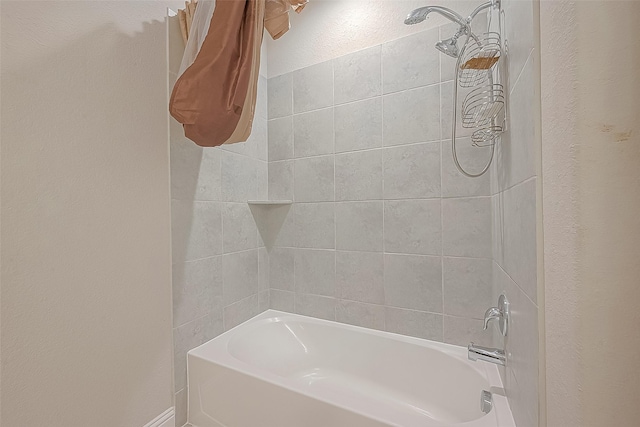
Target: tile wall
(384, 232)
(220, 265)
(513, 190)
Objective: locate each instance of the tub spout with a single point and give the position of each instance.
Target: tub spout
(487, 354)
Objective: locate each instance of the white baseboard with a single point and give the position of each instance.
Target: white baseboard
(166, 419)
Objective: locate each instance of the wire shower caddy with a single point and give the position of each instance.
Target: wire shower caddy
(484, 106)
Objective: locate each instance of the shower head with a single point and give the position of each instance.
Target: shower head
(418, 15)
(448, 47)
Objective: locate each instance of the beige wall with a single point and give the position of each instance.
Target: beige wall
(590, 58)
(86, 297)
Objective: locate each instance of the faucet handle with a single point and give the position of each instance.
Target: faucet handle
(500, 313)
(493, 313)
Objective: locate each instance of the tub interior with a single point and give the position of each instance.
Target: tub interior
(390, 374)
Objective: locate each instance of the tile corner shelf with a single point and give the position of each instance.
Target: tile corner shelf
(270, 202)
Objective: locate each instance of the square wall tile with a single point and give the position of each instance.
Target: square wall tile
(239, 229)
(196, 230)
(467, 284)
(359, 175)
(360, 314)
(280, 93)
(281, 268)
(411, 116)
(282, 300)
(189, 336)
(473, 160)
(462, 331)
(520, 236)
(313, 133)
(280, 139)
(315, 272)
(412, 171)
(281, 180)
(315, 306)
(516, 151)
(241, 311)
(359, 226)
(412, 227)
(195, 172)
(239, 177)
(313, 87)
(466, 227)
(414, 323)
(240, 275)
(313, 179)
(360, 276)
(358, 125)
(315, 225)
(357, 75)
(197, 289)
(411, 61)
(412, 281)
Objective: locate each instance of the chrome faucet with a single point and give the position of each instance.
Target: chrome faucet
(493, 355)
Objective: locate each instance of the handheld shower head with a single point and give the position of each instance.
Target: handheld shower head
(418, 15)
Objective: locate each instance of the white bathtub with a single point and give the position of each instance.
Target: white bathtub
(285, 370)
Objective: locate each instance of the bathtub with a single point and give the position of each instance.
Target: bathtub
(285, 370)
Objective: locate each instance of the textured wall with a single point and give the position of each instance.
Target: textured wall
(591, 152)
(86, 291)
(219, 265)
(384, 232)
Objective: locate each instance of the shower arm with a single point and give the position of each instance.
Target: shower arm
(492, 3)
(465, 24)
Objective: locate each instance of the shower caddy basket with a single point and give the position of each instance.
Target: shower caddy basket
(483, 108)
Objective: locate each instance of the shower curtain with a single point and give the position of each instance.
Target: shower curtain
(215, 94)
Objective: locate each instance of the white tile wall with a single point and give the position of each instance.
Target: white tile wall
(359, 226)
(410, 62)
(412, 171)
(411, 116)
(313, 133)
(357, 75)
(313, 179)
(358, 125)
(313, 87)
(220, 273)
(384, 231)
(358, 175)
(377, 199)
